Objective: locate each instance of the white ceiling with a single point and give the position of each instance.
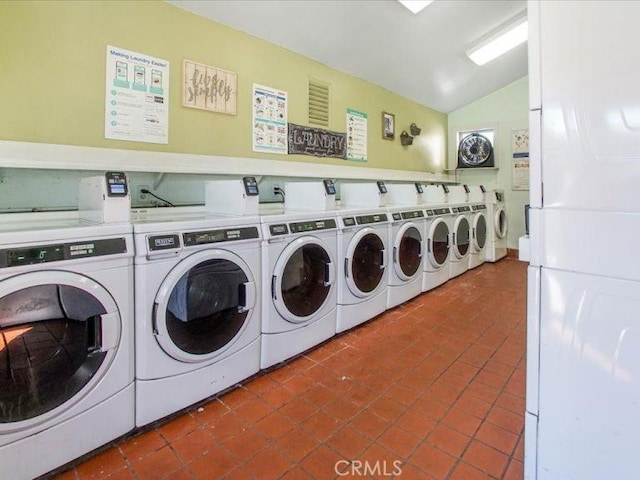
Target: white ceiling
(421, 57)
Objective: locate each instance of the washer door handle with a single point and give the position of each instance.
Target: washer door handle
(109, 331)
(346, 267)
(395, 255)
(274, 283)
(249, 289)
(383, 259)
(430, 245)
(329, 274)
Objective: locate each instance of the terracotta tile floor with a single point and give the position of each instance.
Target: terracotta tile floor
(435, 385)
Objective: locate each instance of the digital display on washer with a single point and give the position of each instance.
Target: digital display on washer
(464, 209)
(250, 186)
(16, 257)
(396, 216)
(280, 229)
(429, 212)
(382, 188)
(116, 184)
(163, 242)
(299, 227)
(349, 221)
(365, 219)
(413, 214)
(441, 211)
(217, 236)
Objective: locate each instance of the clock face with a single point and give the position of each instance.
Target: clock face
(475, 150)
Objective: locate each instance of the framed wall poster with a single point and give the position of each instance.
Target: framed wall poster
(208, 88)
(388, 126)
(520, 160)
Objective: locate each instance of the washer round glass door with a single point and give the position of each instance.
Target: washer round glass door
(59, 332)
(461, 236)
(407, 251)
(365, 262)
(203, 305)
(500, 222)
(438, 243)
(302, 279)
(479, 232)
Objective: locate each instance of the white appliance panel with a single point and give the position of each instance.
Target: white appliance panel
(591, 106)
(533, 338)
(598, 243)
(590, 373)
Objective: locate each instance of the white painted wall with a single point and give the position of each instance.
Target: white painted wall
(504, 110)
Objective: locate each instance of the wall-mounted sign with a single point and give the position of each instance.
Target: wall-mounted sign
(520, 160)
(269, 120)
(356, 135)
(208, 88)
(136, 97)
(317, 142)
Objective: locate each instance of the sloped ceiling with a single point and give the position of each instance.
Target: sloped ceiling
(421, 57)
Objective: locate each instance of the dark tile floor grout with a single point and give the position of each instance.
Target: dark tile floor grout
(435, 385)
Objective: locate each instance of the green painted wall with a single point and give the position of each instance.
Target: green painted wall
(52, 74)
(504, 110)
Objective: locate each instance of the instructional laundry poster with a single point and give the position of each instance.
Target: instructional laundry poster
(269, 120)
(136, 97)
(520, 160)
(356, 135)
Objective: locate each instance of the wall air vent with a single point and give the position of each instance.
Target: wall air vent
(319, 95)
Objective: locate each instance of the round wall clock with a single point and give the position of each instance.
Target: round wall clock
(475, 151)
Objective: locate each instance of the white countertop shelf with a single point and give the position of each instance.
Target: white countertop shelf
(71, 157)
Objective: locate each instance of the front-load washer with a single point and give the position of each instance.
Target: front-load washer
(363, 237)
(299, 255)
(406, 242)
(437, 238)
(460, 230)
(479, 226)
(197, 280)
(66, 339)
(498, 226)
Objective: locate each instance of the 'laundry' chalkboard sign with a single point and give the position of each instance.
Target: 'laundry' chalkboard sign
(317, 142)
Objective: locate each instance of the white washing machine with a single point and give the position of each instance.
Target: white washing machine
(406, 242)
(478, 245)
(66, 343)
(437, 237)
(363, 237)
(498, 226)
(460, 230)
(197, 280)
(299, 256)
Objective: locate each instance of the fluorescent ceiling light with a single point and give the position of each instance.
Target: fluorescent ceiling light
(415, 5)
(500, 43)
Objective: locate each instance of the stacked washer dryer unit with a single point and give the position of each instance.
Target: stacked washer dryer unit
(406, 242)
(197, 280)
(363, 236)
(66, 331)
(437, 237)
(479, 226)
(299, 256)
(498, 228)
(460, 230)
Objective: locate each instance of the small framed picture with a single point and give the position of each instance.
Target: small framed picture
(388, 126)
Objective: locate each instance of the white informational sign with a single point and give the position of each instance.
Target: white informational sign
(356, 135)
(137, 97)
(520, 160)
(269, 120)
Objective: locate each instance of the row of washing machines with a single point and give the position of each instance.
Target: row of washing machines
(111, 319)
